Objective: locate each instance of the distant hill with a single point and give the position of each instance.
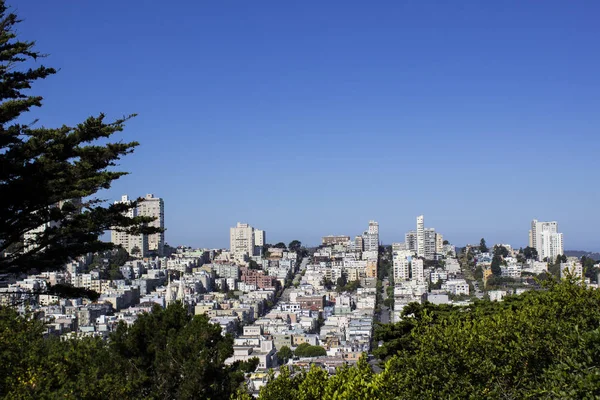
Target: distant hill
(579, 253)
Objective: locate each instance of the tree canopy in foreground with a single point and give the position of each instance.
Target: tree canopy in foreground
(166, 354)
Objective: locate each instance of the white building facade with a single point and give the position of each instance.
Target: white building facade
(546, 239)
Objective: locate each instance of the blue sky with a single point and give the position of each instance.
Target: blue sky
(311, 118)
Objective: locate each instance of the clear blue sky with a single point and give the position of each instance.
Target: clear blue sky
(311, 118)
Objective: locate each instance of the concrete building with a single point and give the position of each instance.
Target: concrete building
(416, 267)
(398, 246)
(439, 244)
(420, 236)
(331, 240)
(371, 237)
(456, 286)
(425, 242)
(154, 207)
(259, 238)
(546, 239)
(401, 265)
(244, 241)
(241, 239)
(359, 244)
(430, 243)
(410, 241)
(136, 245)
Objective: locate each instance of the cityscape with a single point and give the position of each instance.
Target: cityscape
(278, 300)
(299, 200)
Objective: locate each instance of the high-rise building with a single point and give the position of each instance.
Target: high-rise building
(401, 265)
(420, 236)
(136, 245)
(241, 239)
(371, 237)
(546, 239)
(245, 240)
(259, 238)
(154, 207)
(359, 243)
(429, 243)
(416, 267)
(439, 243)
(410, 241)
(425, 242)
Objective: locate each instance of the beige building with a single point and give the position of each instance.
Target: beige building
(136, 245)
(154, 207)
(244, 241)
(259, 237)
(331, 240)
(439, 243)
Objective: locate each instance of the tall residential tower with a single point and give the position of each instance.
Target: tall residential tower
(546, 239)
(371, 237)
(244, 241)
(154, 207)
(136, 245)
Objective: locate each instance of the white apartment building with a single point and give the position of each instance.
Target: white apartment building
(456, 286)
(438, 275)
(259, 238)
(401, 265)
(136, 245)
(154, 207)
(416, 267)
(425, 242)
(241, 239)
(244, 240)
(511, 271)
(371, 237)
(546, 239)
(420, 236)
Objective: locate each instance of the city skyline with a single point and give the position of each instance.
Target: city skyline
(448, 110)
(436, 242)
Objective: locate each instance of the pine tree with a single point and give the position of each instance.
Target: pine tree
(49, 176)
(482, 246)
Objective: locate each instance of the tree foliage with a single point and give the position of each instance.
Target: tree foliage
(166, 354)
(501, 251)
(295, 245)
(49, 176)
(307, 350)
(495, 267)
(253, 265)
(284, 354)
(482, 246)
(530, 253)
